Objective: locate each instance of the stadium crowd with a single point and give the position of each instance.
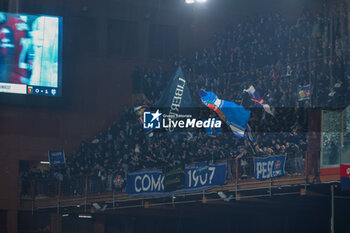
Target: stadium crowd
(269, 52)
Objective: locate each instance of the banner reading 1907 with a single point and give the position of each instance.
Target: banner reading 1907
(198, 176)
(201, 176)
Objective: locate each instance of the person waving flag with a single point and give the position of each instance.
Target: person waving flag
(235, 116)
(255, 97)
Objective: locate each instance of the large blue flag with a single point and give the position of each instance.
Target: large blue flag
(235, 116)
(212, 131)
(176, 96)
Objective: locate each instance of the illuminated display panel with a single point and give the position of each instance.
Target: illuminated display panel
(30, 54)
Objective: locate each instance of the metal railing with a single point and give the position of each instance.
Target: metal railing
(294, 166)
(73, 186)
(239, 170)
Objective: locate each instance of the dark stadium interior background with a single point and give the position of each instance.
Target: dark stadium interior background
(103, 43)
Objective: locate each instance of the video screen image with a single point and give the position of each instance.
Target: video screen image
(30, 54)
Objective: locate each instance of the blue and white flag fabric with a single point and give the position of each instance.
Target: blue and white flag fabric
(57, 157)
(176, 96)
(304, 92)
(139, 112)
(255, 97)
(235, 116)
(250, 134)
(211, 131)
(176, 99)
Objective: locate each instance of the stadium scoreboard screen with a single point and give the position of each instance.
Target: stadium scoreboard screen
(30, 54)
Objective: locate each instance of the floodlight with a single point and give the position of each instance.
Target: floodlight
(189, 1)
(201, 1)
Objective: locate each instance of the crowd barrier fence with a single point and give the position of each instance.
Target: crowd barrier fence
(238, 170)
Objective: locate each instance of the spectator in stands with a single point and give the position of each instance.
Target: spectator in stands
(265, 51)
